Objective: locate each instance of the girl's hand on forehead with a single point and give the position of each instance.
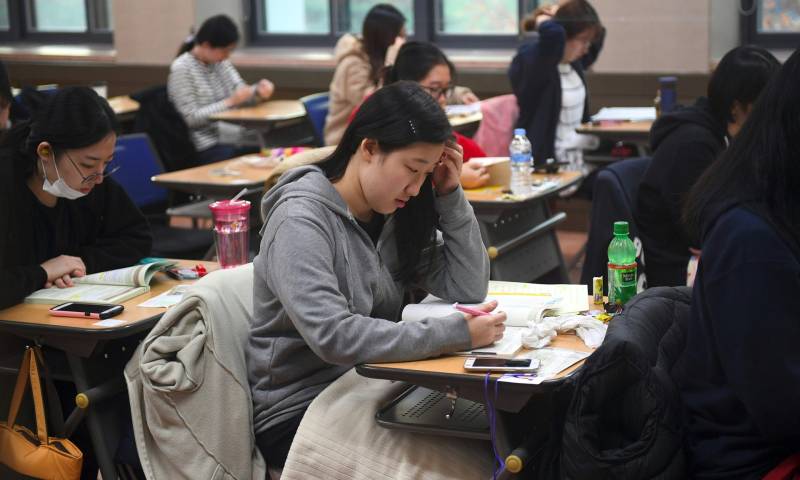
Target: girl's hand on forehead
(447, 174)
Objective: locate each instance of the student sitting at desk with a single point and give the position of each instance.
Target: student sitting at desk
(342, 243)
(425, 64)
(547, 78)
(202, 81)
(684, 144)
(359, 62)
(60, 215)
(739, 374)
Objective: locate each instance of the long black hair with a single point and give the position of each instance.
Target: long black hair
(75, 117)
(761, 168)
(740, 76)
(414, 61)
(397, 116)
(381, 27)
(219, 31)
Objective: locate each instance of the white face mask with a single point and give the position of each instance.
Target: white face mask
(59, 188)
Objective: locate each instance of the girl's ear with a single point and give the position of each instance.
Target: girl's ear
(369, 149)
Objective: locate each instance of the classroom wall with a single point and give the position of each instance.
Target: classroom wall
(646, 38)
(148, 32)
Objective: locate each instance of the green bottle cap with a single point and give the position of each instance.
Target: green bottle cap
(620, 228)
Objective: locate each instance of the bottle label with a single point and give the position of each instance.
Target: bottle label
(621, 283)
(520, 158)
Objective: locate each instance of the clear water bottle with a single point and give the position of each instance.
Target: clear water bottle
(521, 162)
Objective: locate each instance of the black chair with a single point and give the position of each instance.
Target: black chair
(158, 118)
(620, 415)
(140, 163)
(614, 199)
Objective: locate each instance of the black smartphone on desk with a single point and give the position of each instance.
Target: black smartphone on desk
(86, 310)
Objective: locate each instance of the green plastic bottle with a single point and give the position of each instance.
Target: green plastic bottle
(621, 266)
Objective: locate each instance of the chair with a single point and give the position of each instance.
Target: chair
(140, 163)
(614, 199)
(316, 110)
(166, 127)
(620, 416)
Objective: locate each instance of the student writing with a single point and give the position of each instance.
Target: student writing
(342, 243)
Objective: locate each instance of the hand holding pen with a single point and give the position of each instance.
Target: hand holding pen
(484, 326)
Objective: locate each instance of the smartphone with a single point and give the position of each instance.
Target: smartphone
(86, 310)
(489, 364)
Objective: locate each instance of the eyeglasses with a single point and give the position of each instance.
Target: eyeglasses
(109, 170)
(437, 92)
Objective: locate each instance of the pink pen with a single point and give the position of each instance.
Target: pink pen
(470, 310)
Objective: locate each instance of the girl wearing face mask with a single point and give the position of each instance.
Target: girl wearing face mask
(60, 214)
(547, 78)
(342, 243)
(202, 81)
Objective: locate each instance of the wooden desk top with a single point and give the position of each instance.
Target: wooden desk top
(622, 128)
(123, 105)
(457, 121)
(494, 193)
(267, 112)
(225, 176)
(28, 315)
(452, 365)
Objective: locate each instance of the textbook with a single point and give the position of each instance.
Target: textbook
(113, 286)
(522, 302)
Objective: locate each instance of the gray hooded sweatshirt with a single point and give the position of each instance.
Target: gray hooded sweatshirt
(324, 298)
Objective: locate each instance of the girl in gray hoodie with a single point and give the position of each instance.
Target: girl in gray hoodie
(344, 241)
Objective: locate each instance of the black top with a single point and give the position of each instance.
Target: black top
(104, 229)
(373, 227)
(537, 85)
(740, 381)
(684, 144)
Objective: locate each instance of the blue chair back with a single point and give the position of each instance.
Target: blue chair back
(614, 199)
(317, 109)
(139, 161)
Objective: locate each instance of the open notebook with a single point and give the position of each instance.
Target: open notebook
(113, 286)
(522, 302)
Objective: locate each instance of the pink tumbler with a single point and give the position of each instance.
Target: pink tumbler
(231, 225)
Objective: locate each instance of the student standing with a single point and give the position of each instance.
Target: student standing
(684, 144)
(547, 78)
(60, 215)
(739, 374)
(342, 243)
(359, 62)
(202, 82)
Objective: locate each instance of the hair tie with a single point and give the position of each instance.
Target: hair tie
(189, 38)
(413, 128)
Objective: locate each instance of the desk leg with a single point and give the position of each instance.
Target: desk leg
(99, 439)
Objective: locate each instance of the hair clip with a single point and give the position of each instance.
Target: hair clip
(413, 128)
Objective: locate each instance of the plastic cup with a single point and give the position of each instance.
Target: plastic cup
(231, 231)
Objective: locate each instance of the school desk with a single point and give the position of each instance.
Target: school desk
(222, 179)
(446, 374)
(637, 133)
(95, 356)
(124, 106)
(519, 232)
(466, 124)
(264, 117)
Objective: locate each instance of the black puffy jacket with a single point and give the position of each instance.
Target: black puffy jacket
(620, 415)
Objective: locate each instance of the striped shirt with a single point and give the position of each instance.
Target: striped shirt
(199, 90)
(573, 96)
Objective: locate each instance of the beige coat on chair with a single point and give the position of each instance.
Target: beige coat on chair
(187, 381)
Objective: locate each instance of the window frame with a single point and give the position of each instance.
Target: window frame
(426, 14)
(20, 19)
(751, 35)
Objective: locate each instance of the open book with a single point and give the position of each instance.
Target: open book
(113, 286)
(522, 302)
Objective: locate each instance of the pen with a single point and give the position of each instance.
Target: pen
(470, 310)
